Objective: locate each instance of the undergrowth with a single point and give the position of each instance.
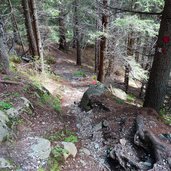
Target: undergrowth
(52, 101)
(32, 72)
(4, 105)
(79, 73)
(64, 135)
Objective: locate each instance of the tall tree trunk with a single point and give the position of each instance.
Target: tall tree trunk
(29, 28)
(37, 34)
(97, 41)
(77, 33)
(130, 52)
(15, 27)
(159, 74)
(62, 30)
(4, 63)
(100, 76)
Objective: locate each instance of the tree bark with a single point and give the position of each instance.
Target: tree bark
(29, 28)
(15, 27)
(62, 30)
(159, 74)
(37, 34)
(4, 62)
(77, 33)
(100, 76)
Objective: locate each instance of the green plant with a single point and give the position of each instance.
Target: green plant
(130, 98)
(41, 169)
(51, 60)
(163, 111)
(167, 119)
(53, 165)
(4, 105)
(52, 101)
(64, 135)
(94, 77)
(71, 138)
(15, 94)
(15, 59)
(119, 101)
(58, 153)
(79, 73)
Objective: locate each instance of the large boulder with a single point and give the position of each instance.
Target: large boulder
(94, 90)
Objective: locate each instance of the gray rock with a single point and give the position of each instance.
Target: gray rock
(40, 148)
(3, 118)
(23, 105)
(5, 164)
(4, 131)
(119, 93)
(31, 153)
(123, 141)
(12, 113)
(98, 127)
(71, 149)
(94, 90)
(85, 151)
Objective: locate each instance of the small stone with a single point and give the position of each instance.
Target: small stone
(105, 123)
(86, 151)
(97, 146)
(83, 162)
(98, 126)
(123, 141)
(148, 164)
(71, 149)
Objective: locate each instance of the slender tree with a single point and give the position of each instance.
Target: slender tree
(62, 30)
(100, 76)
(160, 71)
(77, 32)
(17, 34)
(4, 63)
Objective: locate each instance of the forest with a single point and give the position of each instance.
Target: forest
(85, 85)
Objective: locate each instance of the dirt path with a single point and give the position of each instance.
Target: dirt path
(72, 88)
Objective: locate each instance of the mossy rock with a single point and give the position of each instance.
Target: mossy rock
(94, 90)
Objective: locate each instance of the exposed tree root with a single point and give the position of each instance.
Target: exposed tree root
(158, 148)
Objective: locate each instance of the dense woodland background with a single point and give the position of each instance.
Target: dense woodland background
(123, 34)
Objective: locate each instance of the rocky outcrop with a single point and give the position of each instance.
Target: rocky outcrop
(7, 117)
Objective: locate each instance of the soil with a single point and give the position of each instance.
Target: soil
(97, 140)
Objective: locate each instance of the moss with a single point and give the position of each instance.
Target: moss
(4, 105)
(79, 74)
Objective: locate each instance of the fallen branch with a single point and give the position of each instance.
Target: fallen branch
(10, 82)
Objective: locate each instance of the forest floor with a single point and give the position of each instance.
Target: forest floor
(94, 139)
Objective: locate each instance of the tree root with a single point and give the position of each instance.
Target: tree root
(150, 143)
